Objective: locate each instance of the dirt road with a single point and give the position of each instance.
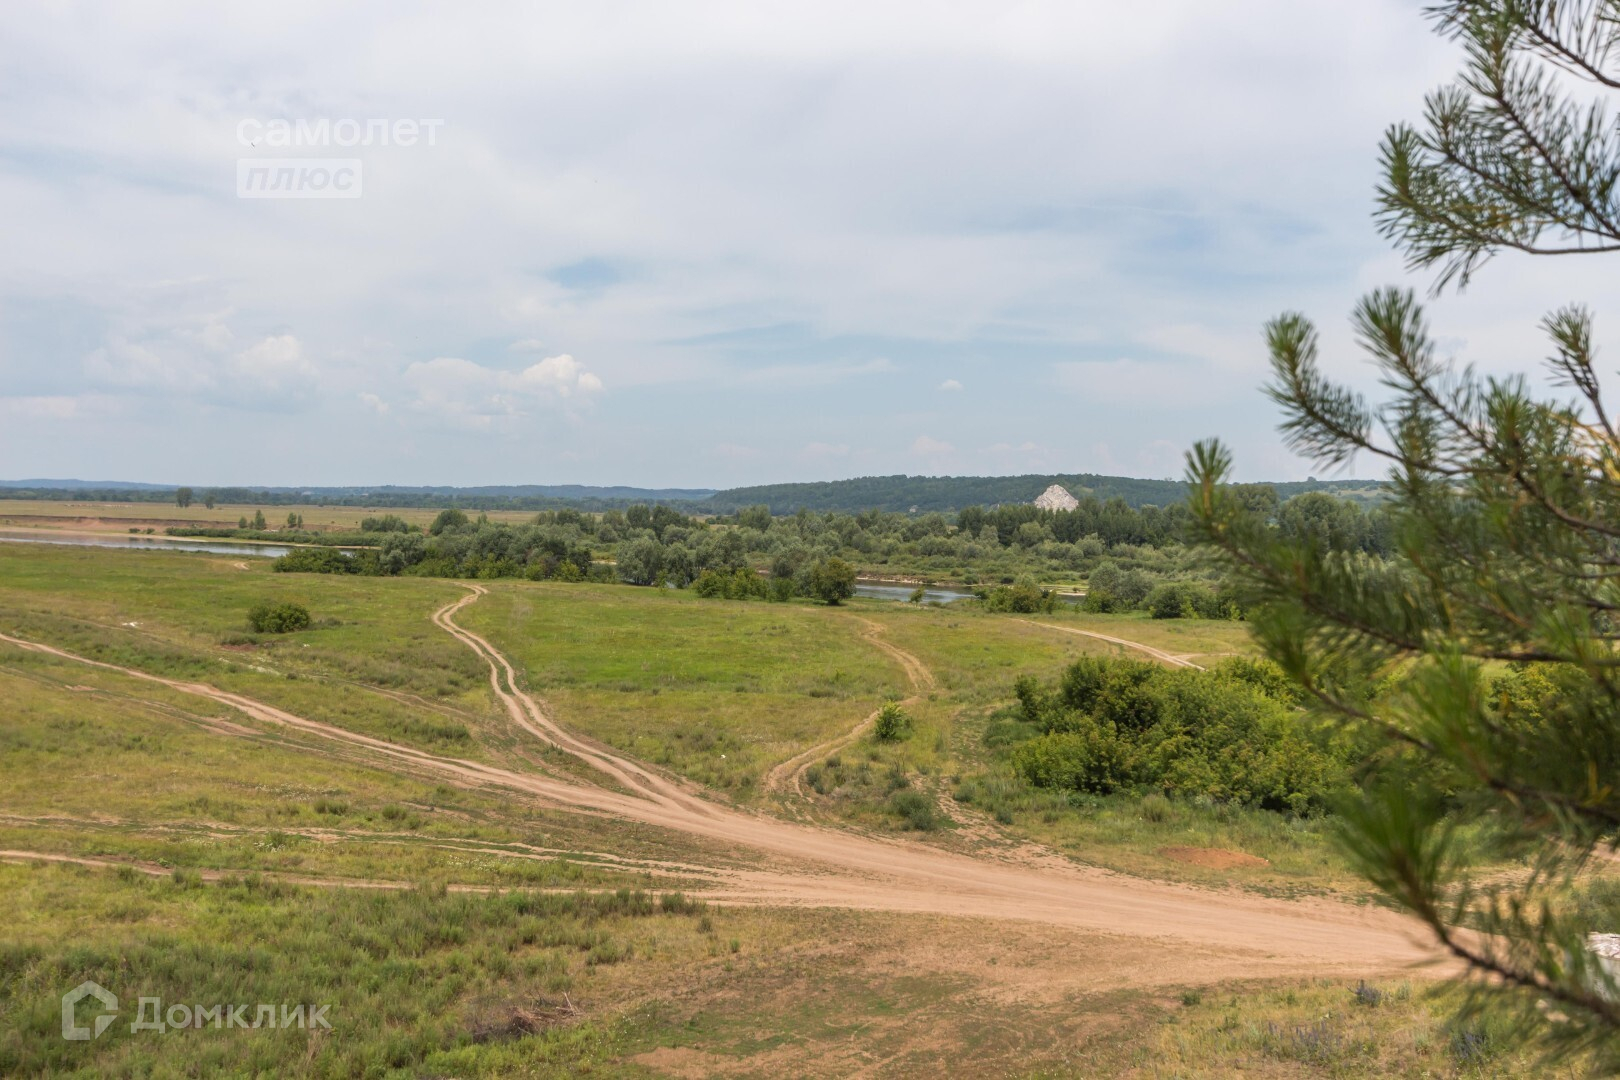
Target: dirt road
(790, 773)
(807, 865)
(1158, 654)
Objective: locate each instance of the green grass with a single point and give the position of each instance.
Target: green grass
(428, 983)
(373, 662)
(421, 980)
(718, 691)
(97, 773)
(425, 982)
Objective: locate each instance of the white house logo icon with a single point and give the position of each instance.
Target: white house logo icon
(70, 1001)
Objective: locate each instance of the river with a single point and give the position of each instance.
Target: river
(147, 543)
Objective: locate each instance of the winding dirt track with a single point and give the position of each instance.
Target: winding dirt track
(1158, 654)
(791, 771)
(813, 866)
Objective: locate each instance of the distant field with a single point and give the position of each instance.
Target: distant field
(120, 517)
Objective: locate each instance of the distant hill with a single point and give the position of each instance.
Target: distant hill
(950, 493)
(896, 493)
(83, 485)
(497, 497)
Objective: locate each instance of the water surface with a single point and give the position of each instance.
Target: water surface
(148, 543)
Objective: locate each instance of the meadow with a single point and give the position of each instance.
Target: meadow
(460, 928)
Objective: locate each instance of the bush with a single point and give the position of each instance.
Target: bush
(892, 723)
(1229, 734)
(1023, 597)
(1189, 600)
(1157, 809)
(278, 618)
(915, 809)
(1172, 600)
(1092, 759)
(323, 560)
(740, 584)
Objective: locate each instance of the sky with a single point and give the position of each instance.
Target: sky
(699, 244)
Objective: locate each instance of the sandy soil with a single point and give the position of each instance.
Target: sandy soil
(1214, 858)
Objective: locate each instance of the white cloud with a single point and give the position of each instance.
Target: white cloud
(926, 447)
(197, 359)
(467, 392)
(751, 167)
(276, 365)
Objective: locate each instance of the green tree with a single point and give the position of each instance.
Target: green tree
(640, 561)
(832, 581)
(451, 519)
(970, 520)
(182, 497)
(209, 500)
(258, 519)
(1505, 528)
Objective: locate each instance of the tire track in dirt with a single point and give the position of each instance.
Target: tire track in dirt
(526, 712)
(1158, 654)
(882, 874)
(791, 772)
(812, 866)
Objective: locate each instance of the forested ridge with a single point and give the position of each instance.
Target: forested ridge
(901, 494)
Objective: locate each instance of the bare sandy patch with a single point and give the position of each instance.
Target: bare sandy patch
(1213, 858)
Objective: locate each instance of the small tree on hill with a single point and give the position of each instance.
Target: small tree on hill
(1488, 647)
(182, 497)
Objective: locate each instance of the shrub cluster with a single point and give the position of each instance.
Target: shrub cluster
(1111, 588)
(1230, 734)
(267, 618)
(1023, 597)
(318, 560)
(892, 723)
(739, 584)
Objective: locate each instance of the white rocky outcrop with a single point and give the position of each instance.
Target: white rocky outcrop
(1056, 498)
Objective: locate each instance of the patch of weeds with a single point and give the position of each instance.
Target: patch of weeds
(1157, 809)
(915, 810)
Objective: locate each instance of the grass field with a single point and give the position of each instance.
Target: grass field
(717, 691)
(262, 864)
